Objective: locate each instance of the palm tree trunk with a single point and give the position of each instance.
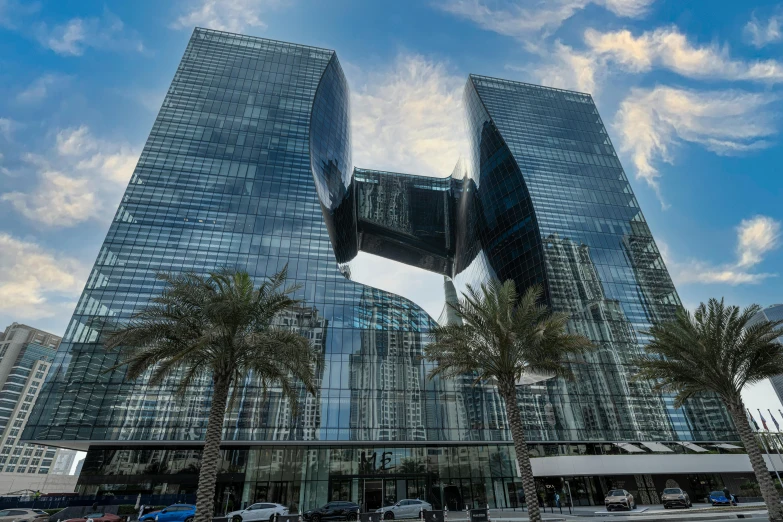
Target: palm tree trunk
(210, 458)
(509, 394)
(768, 491)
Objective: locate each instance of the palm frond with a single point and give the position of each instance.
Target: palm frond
(716, 349)
(502, 335)
(218, 324)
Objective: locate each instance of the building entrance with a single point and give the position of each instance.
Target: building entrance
(373, 492)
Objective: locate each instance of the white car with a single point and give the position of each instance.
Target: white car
(406, 508)
(263, 511)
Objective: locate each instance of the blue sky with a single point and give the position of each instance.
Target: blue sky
(690, 92)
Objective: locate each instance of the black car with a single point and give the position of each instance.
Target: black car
(336, 510)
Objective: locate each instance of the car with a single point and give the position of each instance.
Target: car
(259, 511)
(96, 516)
(335, 510)
(172, 513)
(718, 498)
(619, 499)
(9, 515)
(406, 508)
(672, 497)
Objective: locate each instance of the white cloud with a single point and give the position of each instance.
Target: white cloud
(761, 32)
(41, 87)
(79, 180)
(6, 127)
(523, 20)
(13, 10)
(420, 286)
(568, 69)
(755, 237)
(669, 48)
(3, 169)
(651, 122)
(34, 281)
(76, 35)
(408, 118)
(234, 16)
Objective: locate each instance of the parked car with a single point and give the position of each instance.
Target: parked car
(9, 515)
(259, 511)
(718, 498)
(619, 499)
(337, 510)
(173, 513)
(95, 516)
(672, 497)
(406, 508)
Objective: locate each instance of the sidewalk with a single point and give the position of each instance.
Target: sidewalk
(644, 514)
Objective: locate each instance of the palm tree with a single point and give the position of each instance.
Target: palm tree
(718, 350)
(499, 337)
(219, 326)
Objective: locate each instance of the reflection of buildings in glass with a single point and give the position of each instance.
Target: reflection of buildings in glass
(386, 380)
(658, 295)
(575, 288)
(269, 414)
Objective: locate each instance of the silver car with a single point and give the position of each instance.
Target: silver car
(672, 497)
(261, 511)
(619, 499)
(19, 515)
(406, 508)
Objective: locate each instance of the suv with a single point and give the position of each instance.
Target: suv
(407, 508)
(672, 497)
(336, 510)
(619, 499)
(173, 513)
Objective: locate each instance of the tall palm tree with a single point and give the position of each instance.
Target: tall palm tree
(718, 350)
(501, 336)
(219, 326)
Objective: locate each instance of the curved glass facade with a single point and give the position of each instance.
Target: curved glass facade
(248, 164)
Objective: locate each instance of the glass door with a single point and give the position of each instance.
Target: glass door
(373, 495)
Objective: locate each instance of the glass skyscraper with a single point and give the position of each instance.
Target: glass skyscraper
(249, 165)
(772, 313)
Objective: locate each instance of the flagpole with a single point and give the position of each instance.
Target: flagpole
(766, 450)
(777, 435)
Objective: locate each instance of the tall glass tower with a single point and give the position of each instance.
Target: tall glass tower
(249, 165)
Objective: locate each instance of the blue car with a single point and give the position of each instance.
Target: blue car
(173, 513)
(718, 498)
